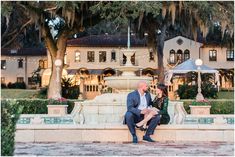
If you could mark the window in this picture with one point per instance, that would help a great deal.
(151, 56)
(113, 56)
(212, 55)
(90, 56)
(102, 56)
(2, 79)
(3, 64)
(133, 59)
(20, 63)
(20, 79)
(179, 56)
(65, 58)
(172, 56)
(87, 88)
(77, 56)
(186, 55)
(45, 64)
(41, 64)
(230, 55)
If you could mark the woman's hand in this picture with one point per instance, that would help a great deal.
(145, 111)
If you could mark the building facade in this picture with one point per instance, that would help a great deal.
(19, 65)
(89, 59)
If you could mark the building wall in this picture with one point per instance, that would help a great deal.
(12, 71)
(221, 62)
(191, 45)
(141, 57)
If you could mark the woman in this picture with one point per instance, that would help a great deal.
(160, 104)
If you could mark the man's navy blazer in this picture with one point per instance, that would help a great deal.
(133, 101)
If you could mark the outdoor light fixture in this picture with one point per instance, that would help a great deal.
(199, 96)
(58, 63)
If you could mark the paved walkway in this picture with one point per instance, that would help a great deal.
(124, 149)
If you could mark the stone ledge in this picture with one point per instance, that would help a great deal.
(121, 127)
(120, 133)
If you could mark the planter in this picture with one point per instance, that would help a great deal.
(200, 110)
(57, 109)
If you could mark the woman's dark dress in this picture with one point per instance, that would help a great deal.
(162, 104)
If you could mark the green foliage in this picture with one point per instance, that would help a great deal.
(6, 8)
(37, 106)
(217, 106)
(60, 101)
(19, 93)
(17, 85)
(119, 12)
(201, 103)
(42, 94)
(190, 91)
(9, 116)
(226, 95)
(3, 85)
(69, 90)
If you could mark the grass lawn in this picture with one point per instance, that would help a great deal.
(226, 95)
(18, 93)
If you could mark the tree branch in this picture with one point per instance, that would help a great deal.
(50, 43)
(14, 37)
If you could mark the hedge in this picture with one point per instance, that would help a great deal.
(38, 106)
(9, 117)
(219, 106)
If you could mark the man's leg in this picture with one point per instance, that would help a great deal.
(130, 121)
(152, 125)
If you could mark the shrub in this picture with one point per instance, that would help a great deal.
(11, 85)
(38, 106)
(217, 106)
(20, 85)
(10, 114)
(201, 103)
(17, 85)
(3, 85)
(190, 91)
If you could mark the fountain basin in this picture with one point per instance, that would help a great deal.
(125, 83)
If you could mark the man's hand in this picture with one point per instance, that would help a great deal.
(145, 111)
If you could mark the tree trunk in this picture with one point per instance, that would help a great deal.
(160, 47)
(57, 49)
(54, 90)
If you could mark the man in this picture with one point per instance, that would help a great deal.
(138, 104)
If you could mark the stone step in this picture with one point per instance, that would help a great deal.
(120, 133)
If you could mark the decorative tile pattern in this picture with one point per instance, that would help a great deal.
(206, 120)
(230, 120)
(58, 120)
(24, 120)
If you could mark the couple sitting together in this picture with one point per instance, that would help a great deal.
(145, 114)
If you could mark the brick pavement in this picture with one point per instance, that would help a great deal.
(126, 149)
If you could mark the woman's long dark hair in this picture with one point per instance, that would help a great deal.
(163, 88)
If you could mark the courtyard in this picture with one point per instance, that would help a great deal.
(73, 71)
(167, 148)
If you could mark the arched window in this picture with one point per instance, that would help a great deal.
(41, 64)
(45, 64)
(179, 56)
(186, 54)
(77, 56)
(172, 56)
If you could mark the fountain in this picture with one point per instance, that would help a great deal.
(111, 107)
(128, 80)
